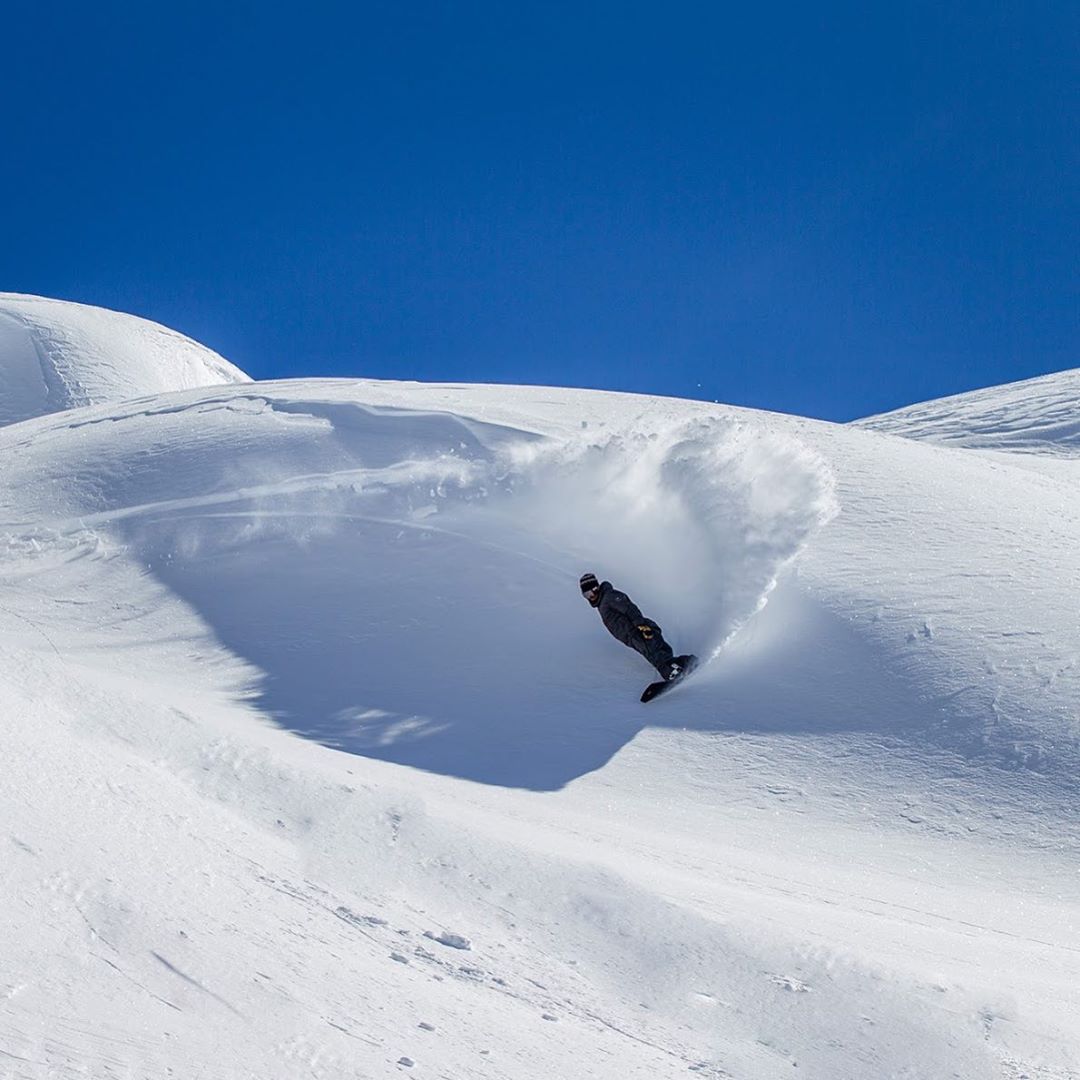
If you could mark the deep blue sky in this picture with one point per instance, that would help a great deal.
(826, 209)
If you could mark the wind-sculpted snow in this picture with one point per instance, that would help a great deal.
(338, 544)
(808, 857)
(56, 355)
(1035, 416)
(341, 549)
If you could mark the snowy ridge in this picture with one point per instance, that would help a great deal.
(361, 511)
(847, 846)
(56, 355)
(1036, 416)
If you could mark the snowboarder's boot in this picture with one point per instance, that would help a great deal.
(678, 669)
(679, 666)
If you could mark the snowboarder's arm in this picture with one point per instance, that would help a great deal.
(622, 616)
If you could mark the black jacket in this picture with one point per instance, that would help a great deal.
(621, 615)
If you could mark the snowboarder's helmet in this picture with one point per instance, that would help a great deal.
(588, 583)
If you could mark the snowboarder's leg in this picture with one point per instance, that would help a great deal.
(649, 641)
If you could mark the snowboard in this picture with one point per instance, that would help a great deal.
(664, 685)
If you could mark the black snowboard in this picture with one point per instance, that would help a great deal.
(664, 685)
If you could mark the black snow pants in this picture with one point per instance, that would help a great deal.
(649, 641)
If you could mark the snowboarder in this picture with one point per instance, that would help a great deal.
(624, 620)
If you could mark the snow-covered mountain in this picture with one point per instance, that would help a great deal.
(56, 355)
(1037, 415)
(318, 764)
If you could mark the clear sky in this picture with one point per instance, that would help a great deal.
(831, 209)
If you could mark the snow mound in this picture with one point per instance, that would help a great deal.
(1037, 416)
(340, 537)
(847, 846)
(314, 532)
(57, 355)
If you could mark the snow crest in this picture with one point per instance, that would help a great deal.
(56, 355)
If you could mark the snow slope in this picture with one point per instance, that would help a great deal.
(1037, 415)
(56, 355)
(318, 765)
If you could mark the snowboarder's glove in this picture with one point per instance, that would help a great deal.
(646, 631)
